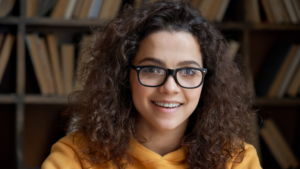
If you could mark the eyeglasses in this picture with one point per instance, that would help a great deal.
(153, 76)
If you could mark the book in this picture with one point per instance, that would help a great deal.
(67, 53)
(137, 3)
(295, 84)
(291, 12)
(253, 13)
(95, 8)
(54, 58)
(285, 13)
(267, 9)
(46, 52)
(205, 7)
(82, 58)
(5, 53)
(277, 145)
(277, 11)
(77, 9)
(6, 6)
(45, 63)
(2, 37)
(271, 67)
(296, 5)
(196, 3)
(59, 9)
(289, 74)
(221, 11)
(85, 9)
(70, 9)
(282, 71)
(233, 49)
(37, 64)
(44, 6)
(31, 8)
(110, 9)
(214, 10)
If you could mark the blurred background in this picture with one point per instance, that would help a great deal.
(39, 47)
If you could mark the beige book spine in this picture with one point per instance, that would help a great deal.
(54, 57)
(37, 63)
(67, 53)
(295, 84)
(276, 83)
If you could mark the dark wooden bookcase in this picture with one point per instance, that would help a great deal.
(31, 123)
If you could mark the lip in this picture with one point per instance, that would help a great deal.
(166, 101)
(164, 110)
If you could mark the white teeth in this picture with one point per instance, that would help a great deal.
(167, 104)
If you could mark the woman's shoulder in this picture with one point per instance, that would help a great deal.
(247, 159)
(64, 153)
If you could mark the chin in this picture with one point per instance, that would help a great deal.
(166, 126)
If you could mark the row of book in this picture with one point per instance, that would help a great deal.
(276, 11)
(74, 9)
(212, 10)
(54, 64)
(6, 46)
(280, 73)
(278, 146)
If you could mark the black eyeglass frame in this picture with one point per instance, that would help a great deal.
(168, 73)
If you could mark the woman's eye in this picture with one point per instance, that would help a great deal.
(189, 72)
(153, 70)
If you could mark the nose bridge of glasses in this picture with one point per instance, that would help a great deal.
(173, 73)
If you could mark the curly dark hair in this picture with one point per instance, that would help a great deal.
(217, 129)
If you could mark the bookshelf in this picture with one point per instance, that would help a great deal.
(31, 121)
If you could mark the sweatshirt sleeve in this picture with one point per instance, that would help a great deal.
(250, 160)
(62, 156)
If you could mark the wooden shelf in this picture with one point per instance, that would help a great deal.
(8, 99)
(51, 22)
(38, 99)
(262, 101)
(45, 21)
(231, 26)
(9, 21)
(64, 22)
(275, 27)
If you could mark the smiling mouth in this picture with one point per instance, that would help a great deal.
(166, 105)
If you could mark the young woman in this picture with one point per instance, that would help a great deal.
(159, 93)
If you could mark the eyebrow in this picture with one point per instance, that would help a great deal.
(160, 62)
(188, 62)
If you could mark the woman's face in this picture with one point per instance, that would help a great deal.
(170, 50)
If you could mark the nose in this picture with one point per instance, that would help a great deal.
(170, 86)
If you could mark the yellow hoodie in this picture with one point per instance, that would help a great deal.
(63, 156)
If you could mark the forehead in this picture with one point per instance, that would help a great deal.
(169, 47)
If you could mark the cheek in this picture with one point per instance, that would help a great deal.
(139, 92)
(193, 95)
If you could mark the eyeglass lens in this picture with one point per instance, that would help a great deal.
(188, 77)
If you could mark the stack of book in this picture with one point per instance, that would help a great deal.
(6, 45)
(74, 9)
(280, 74)
(276, 11)
(54, 70)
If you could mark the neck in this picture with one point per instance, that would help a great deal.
(161, 141)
